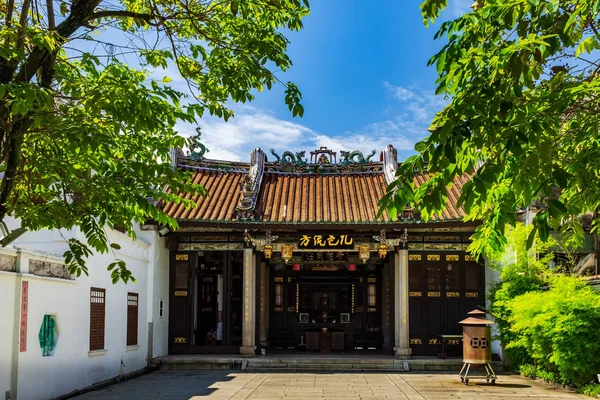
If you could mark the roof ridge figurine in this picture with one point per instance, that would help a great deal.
(197, 149)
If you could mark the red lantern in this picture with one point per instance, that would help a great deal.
(351, 267)
(296, 267)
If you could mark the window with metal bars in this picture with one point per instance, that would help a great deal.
(97, 318)
(132, 319)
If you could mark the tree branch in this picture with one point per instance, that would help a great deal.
(23, 23)
(121, 14)
(591, 24)
(9, 12)
(50, 11)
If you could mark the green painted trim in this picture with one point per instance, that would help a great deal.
(268, 222)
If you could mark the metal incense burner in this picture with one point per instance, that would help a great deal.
(477, 347)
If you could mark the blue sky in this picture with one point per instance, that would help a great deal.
(361, 66)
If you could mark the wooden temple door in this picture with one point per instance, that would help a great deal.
(207, 311)
(205, 307)
(443, 287)
(180, 303)
(234, 298)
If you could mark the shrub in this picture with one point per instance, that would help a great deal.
(558, 329)
(528, 370)
(548, 376)
(593, 389)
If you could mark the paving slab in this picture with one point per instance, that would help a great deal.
(235, 385)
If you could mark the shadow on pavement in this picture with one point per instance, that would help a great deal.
(165, 385)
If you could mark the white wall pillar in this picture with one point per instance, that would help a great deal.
(249, 305)
(402, 348)
(151, 266)
(22, 267)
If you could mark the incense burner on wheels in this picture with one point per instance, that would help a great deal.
(477, 347)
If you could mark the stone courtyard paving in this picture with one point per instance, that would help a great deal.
(192, 385)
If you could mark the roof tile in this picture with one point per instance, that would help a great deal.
(301, 198)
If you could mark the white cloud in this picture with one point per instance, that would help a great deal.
(399, 92)
(456, 8)
(250, 128)
(417, 109)
(374, 136)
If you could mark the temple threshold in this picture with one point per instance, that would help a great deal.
(303, 362)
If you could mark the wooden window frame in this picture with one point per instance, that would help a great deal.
(97, 318)
(279, 294)
(132, 318)
(371, 295)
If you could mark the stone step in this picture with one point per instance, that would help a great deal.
(361, 367)
(305, 364)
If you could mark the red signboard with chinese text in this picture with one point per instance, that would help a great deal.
(23, 326)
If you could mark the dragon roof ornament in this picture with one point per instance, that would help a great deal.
(323, 161)
(196, 148)
(356, 157)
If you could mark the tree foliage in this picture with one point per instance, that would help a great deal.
(547, 321)
(522, 79)
(85, 134)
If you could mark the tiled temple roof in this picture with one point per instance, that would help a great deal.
(223, 189)
(309, 193)
(342, 198)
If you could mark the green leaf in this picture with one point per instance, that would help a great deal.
(441, 63)
(557, 208)
(587, 45)
(531, 237)
(573, 17)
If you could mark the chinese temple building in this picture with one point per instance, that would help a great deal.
(288, 252)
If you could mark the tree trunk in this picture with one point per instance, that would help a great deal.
(80, 12)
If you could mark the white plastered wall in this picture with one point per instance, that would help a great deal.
(8, 298)
(158, 290)
(72, 366)
(491, 278)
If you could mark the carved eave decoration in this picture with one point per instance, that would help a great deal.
(250, 187)
(390, 243)
(389, 157)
